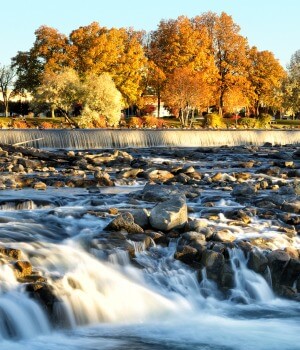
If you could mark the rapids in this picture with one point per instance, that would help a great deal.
(104, 301)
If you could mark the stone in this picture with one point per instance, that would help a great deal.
(168, 215)
(186, 254)
(257, 262)
(224, 235)
(22, 268)
(124, 221)
(141, 217)
(243, 190)
(40, 186)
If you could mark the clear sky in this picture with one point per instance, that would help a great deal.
(272, 25)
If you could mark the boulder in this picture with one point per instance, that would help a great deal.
(124, 221)
(243, 190)
(141, 217)
(186, 254)
(224, 235)
(168, 215)
(257, 262)
(214, 263)
(22, 268)
(277, 261)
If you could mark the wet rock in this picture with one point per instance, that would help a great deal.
(257, 262)
(103, 178)
(131, 173)
(227, 277)
(158, 193)
(168, 215)
(292, 207)
(224, 235)
(194, 239)
(40, 186)
(124, 221)
(214, 264)
(22, 268)
(291, 273)
(159, 175)
(141, 217)
(11, 252)
(243, 190)
(277, 261)
(187, 254)
(43, 293)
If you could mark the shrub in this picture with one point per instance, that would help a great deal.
(135, 122)
(264, 120)
(20, 124)
(248, 123)
(150, 121)
(91, 119)
(46, 125)
(214, 120)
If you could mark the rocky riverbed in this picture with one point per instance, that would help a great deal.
(210, 201)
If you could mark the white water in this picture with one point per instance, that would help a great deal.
(105, 138)
(160, 307)
(110, 304)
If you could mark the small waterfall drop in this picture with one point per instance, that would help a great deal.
(249, 285)
(123, 138)
(20, 316)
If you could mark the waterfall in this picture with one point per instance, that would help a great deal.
(20, 316)
(249, 285)
(122, 138)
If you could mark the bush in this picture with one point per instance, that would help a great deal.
(135, 122)
(91, 119)
(214, 120)
(264, 120)
(20, 124)
(249, 123)
(150, 121)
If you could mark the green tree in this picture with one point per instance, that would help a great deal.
(60, 90)
(99, 94)
(7, 77)
(291, 86)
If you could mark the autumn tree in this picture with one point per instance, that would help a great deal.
(7, 76)
(266, 76)
(187, 90)
(50, 52)
(119, 52)
(229, 50)
(178, 44)
(291, 86)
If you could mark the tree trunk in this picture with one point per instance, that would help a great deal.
(158, 104)
(52, 111)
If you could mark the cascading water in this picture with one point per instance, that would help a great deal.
(103, 300)
(20, 316)
(249, 286)
(120, 138)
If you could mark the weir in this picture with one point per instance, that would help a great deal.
(124, 138)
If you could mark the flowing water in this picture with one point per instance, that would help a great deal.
(106, 138)
(107, 302)
(110, 304)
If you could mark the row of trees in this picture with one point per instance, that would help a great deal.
(189, 63)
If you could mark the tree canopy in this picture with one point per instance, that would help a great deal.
(207, 53)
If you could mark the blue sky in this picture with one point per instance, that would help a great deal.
(268, 24)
